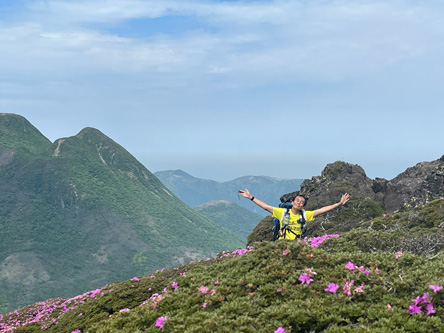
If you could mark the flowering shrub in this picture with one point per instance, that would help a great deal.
(311, 288)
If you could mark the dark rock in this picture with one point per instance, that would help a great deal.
(368, 198)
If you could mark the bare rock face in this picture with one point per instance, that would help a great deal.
(416, 185)
(336, 179)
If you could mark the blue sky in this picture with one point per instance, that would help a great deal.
(223, 89)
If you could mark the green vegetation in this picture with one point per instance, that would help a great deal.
(83, 212)
(332, 288)
(230, 215)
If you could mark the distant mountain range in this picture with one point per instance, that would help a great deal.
(82, 212)
(230, 215)
(196, 191)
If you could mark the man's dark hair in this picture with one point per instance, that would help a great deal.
(303, 196)
(289, 197)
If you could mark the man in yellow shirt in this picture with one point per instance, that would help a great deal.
(291, 226)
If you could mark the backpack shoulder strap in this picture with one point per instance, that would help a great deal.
(303, 215)
(285, 213)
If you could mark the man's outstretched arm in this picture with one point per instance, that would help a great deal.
(246, 194)
(326, 209)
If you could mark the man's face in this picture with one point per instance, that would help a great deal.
(298, 202)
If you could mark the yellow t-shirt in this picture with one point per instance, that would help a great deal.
(293, 224)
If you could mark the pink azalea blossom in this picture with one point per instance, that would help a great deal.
(280, 330)
(135, 279)
(332, 287)
(349, 265)
(285, 252)
(413, 309)
(124, 310)
(203, 289)
(161, 321)
(430, 309)
(389, 307)
(216, 282)
(367, 272)
(175, 285)
(435, 287)
(305, 278)
(204, 305)
(359, 289)
(347, 287)
(398, 254)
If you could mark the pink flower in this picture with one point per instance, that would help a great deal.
(332, 287)
(349, 265)
(367, 272)
(310, 271)
(135, 279)
(213, 292)
(435, 287)
(430, 309)
(359, 289)
(175, 285)
(216, 282)
(278, 290)
(280, 330)
(398, 254)
(204, 305)
(285, 252)
(124, 310)
(161, 321)
(347, 287)
(413, 309)
(389, 307)
(203, 289)
(305, 278)
(77, 331)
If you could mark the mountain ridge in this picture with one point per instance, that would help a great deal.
(195, 191)
(84, 212)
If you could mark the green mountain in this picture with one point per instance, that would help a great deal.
(82, 212)
(230, 215)
(196, 191)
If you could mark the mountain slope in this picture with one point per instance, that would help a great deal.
(83, 212)
(195, 191)
(230, 215)
(328, 284)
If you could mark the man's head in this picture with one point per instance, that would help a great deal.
(300, 201)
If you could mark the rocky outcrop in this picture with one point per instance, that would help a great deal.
(416, 185)
(369, 198)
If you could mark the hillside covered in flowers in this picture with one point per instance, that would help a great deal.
(325, 283)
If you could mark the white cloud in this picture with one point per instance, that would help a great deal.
(248, 42)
